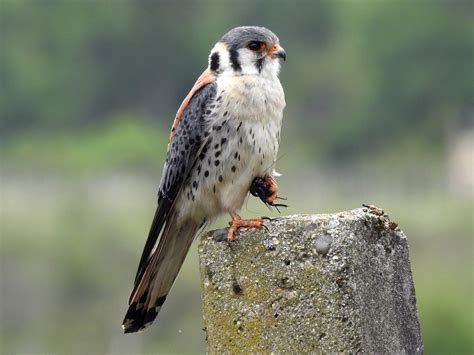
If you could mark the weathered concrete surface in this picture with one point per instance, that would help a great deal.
(324, 283)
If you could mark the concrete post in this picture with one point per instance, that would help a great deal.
(312, 283)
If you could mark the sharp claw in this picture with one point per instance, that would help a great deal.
(229, 240)
(266, 228)
(282, 198)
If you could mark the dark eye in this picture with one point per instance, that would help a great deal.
(255, 45)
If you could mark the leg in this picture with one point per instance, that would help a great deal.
(236, 223)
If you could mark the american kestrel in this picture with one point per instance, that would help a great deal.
(223, 143)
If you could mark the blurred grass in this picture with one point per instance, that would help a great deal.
(444, 299)
(122, 141)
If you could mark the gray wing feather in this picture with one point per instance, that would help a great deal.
(187, 141)
(182, 154)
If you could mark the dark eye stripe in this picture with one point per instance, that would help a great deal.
(234, 60)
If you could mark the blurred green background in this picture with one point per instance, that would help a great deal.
(379, 111)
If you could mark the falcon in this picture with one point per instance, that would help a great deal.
(223, 144)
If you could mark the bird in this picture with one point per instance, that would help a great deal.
(226, 134)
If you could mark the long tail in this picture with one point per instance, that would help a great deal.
(161, 270)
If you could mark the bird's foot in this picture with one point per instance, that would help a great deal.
(236, 223)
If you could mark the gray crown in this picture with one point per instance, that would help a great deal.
(240, 37)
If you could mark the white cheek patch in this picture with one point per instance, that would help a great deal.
(248, 61)
(224, 61)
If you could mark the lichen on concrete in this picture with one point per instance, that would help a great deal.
(326, 283)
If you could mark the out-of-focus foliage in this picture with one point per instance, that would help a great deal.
(103, 147)
(358, 73)
(378, 94)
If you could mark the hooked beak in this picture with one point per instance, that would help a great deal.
(277, 52)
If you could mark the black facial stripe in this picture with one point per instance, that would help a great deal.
(259, 64)
(215, 61)
(234, 60)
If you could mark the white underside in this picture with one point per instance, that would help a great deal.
(257, 101)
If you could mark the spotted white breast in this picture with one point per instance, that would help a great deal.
(243, 144)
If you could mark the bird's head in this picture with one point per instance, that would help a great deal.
(247, 50)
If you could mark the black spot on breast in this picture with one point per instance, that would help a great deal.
(206, 173)
(234, 60)
(233, 168)
(238, 127)
(220, 178)
(216, 145)
(217, 162)
(214, 66)
(223, 140)
(216, 154)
